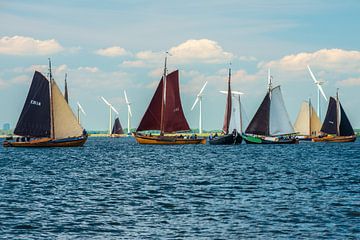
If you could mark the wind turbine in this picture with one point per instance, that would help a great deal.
(236, 95)
(129, 113)
(320, 90)
(78, 111)
(199, 99)
(111, 108)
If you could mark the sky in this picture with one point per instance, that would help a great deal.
(109, 46)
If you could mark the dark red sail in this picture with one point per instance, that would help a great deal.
(227, 116)
(35, 118)
(174, 118)
(117, 128)
(330, 123)
(260, 123)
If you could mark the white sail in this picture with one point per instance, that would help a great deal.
(279, 118)
(315, 122)
(64, 120)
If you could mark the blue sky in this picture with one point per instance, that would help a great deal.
(110, 46)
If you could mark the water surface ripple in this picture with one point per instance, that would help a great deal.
(115, 188)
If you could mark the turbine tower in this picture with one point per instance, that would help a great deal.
(78, 111)
(320, 90)
(236, 95)
(129, 113)
(199, 99)
(111, 108)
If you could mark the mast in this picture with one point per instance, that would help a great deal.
(163, 104)
(51, 102)
(240, 114)
(310, 113)
(78, 114)
(338, 114)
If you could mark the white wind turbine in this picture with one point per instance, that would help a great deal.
(236, 95)
(199, 99)
(320, 90)
(111, 108)
(80, 108)
(129, 113)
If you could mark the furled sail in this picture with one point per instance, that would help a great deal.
(279, 119)
(174, 118)
(66, 95)
(117, 128)
(260, 122)
(307, 121)
(228, 108)
(35, 118)
(64, 120)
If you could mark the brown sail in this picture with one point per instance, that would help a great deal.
(173, 119)
(228, 108)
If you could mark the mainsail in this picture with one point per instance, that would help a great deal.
(34, 120)
(64, 121)
(117, 129)
(228, 108)
(334, 114)
(173, 115)
(307, 121)
(271, 117)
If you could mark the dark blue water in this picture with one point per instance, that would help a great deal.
(115, 188)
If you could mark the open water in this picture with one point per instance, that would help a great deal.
(115, 188)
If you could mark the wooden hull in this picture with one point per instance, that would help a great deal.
(304, 138)
(48, 142)
(228, 139)
(167, 140)
(338, 139)
(251, 139)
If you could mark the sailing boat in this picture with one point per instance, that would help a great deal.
(46, 119)
(117, 129)
(271, 123)
(165, 113)
(227, 138)
(307, 124)
(336, 126)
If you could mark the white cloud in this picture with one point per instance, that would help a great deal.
(19, 45)
(350, 82)
(88, 69)
(114, 51)
(136, 63)
(203, 50)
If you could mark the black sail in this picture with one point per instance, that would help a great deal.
(117, 129)
(330, 123)
(35, 118)
(260, 123)
(345, 125)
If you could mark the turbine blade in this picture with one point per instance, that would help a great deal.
(202, 89)
(105, 101)
(269, 76)
(197, 99)
(311, 74)
(114, 110)
(129, 109)
(126, 99)
(81, 109)
(322, 91)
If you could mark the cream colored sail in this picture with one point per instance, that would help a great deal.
(307, 122)
(65, 123)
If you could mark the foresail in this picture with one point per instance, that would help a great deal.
(174, 118)
(279, 119)
(34, 119)
(315, 122)
(117, 128)
(345, 126)
(65, 122)
(330, 122)
(260, 122)
(302, 123)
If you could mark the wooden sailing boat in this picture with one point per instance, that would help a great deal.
(227, 138)
(46, 119)
(165, 113)
(271, 123)
(307, 124)
(117, 129)
(336, 126)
